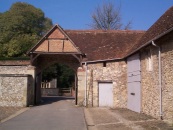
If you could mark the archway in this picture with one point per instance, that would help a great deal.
(58, 80)
(54, 47)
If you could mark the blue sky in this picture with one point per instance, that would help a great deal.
(76, 14)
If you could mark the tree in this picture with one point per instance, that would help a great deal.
(107, 17)
(63, 74)
(20, 28)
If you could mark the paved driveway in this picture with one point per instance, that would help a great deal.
(56, 113)
(121, 119)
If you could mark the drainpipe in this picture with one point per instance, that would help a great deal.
(160, 79)
(86, 68)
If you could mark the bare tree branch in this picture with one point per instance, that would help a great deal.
(128, 25)
(108, 17)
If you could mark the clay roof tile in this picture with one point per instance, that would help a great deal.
(104, 45)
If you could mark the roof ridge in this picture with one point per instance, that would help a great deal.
(105, 31)
(159, 28)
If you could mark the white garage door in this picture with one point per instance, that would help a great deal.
(105, 95)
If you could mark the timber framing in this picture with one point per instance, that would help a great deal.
(59, 45)
(64, 41)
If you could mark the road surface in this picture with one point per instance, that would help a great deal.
(55, 113)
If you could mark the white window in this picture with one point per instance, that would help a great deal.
(149, 61)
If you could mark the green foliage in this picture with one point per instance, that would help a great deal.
(63, 74)
(20, 28)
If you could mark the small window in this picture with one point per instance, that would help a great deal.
(104, 64)
(149, 61)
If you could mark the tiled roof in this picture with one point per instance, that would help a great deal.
(15, 62)
(161, 26)
(116, 44)
(104, 45)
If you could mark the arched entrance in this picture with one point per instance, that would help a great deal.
(58, 80)
(54, 47)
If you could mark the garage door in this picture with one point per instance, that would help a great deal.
(134, 84)
(105, 95)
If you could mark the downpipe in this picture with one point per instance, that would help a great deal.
(86, 69)
(160, 79)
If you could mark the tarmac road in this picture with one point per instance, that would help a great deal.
(55, 113)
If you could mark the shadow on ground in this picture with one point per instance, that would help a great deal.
(51, 99)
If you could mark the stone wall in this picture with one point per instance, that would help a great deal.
(14, 90)
(150, 80)
(167, 76)
(16, 85)
(114, 72)
(150, 83)
(49, 91)
(81, 86)
(13, 69)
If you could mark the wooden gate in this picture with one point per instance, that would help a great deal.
(105, 95)
(134, 83)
